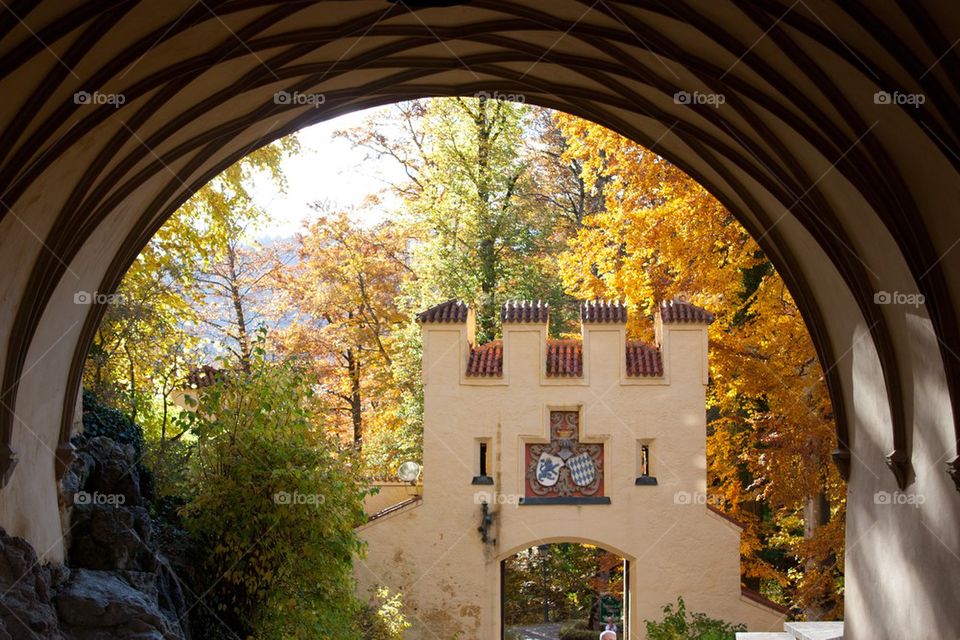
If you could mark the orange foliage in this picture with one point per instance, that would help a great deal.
(660, 236)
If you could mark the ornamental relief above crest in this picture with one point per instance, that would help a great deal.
(564, 467)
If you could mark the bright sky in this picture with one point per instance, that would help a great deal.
(327, 168)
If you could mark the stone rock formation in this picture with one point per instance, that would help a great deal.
(117, 584)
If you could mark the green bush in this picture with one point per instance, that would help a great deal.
(678, 625)
(273, 506)
(101, 420)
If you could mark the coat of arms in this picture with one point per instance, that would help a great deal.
(565, 466)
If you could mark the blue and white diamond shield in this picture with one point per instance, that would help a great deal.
(583, 471)
(548, 469)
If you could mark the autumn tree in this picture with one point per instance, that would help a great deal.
(477, 234)
(661, 236)
(342, 293)
(234, 275)
(152, 333)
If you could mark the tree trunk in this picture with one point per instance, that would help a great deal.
(237, 298)
(133, 383)
(487, 318)
(356, 406)
(816, 513)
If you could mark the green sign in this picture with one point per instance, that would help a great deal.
(610, 608)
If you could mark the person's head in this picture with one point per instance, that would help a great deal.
(608, 634)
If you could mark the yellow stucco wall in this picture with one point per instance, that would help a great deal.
(432, 551)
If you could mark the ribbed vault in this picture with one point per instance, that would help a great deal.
(848, 197)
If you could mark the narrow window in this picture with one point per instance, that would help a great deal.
(481, 461)
(644, 472)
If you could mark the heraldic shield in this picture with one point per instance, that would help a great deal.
(548, 469)
(582, 469)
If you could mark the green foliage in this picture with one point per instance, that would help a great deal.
(151, 333)
(569, 575)
(677, 624)
(272, 506)
(101, 420)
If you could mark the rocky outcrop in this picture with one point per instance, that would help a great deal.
(99, 605)
(120, 585)
(26, 587)
(116, 585)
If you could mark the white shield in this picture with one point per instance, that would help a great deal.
(548, 469)
(582, 469)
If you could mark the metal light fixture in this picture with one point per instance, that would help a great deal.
(409, 471)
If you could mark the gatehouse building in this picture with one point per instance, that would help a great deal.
(530, 440)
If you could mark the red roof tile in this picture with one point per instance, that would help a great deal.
(564, 358)
(449, 311)
(603, 311)
(205, 376)
(486, 360)
(525, 311)
(643, 359)
(680, 311)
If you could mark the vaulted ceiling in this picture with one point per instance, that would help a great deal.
(115, 112)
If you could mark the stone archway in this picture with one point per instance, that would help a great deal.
(627, 562)
(116, 113)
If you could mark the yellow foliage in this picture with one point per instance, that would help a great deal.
(662, 236)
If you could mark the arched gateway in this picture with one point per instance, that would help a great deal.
(529, 440)
(836, 143)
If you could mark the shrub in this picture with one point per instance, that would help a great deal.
(273, 507)
(101, 420)
(677, 625)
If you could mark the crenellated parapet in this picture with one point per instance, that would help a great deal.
(602, 345)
